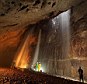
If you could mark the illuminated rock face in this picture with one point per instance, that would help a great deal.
(9, 41)
(79, 44)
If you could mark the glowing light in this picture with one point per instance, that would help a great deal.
(42, 69)
(23, 54)
(53, 21)
(23, 66)
(79, 58)
(36, 54)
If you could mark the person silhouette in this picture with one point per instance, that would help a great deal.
(80, 71)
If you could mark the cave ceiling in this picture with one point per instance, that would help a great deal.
(25, 12)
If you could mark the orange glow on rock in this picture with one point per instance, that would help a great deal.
(24, 53)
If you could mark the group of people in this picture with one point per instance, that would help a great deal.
(37, 66)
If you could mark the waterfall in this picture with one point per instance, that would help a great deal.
(62, 22)
(64, 19)
(21, 59)
(55, 54)
(36, 54)
(65, 29)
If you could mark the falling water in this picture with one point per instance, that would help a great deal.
(37, 49)
(55, 53)
(22, 56)
(64, 26)
(64, 19)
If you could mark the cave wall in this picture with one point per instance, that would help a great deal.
(9, 41)
(79, 39)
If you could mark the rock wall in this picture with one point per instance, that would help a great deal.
(9, 41)
(79, 39)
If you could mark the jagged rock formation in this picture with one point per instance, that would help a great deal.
(19, 12)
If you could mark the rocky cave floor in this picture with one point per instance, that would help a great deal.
(15, 76)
